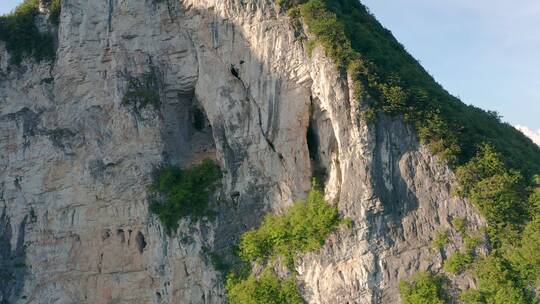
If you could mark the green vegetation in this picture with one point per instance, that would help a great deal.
(423, 288)
(508, 202)
(500, 194)
(264, 289)
(506, 275)
(460, 224)
(54, 7)
(469, 241)
(218, 262)
(462, 260)
(498, 283)
(303, 227)
(534, 198)
(440, 240)
(458, 262)
(184, 193)
(142, 91)
(526, 257)
(21, 35)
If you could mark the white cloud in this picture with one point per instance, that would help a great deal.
(532, 134)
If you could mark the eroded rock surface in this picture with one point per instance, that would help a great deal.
(236, 85)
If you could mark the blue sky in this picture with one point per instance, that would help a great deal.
(7, 5)
(485, 51)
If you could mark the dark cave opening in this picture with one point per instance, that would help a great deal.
(198, 119)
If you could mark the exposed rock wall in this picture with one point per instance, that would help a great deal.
(236, 85)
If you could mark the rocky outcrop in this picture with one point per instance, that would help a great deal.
(235, 84)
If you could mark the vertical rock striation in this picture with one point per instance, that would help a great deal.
(235, 84)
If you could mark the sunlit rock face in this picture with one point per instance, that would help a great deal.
(236, 85)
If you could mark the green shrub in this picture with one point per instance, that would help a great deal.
(460, 224)
(22, 37)
(329, 31)
(218, 261)
(507, 275)
(303, 227)
(499, 194)
(499, 283)
(471, 296)
(526, 258)
(458, 262)
(534, 198)
(265, 289)
(184, 193)
(471, 242)
(423, 288)
(500, 198)
(440, 240)
(433, 131)
(142, 91)
(484, 164)
(54, 7)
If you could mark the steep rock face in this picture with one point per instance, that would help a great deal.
(236, 85)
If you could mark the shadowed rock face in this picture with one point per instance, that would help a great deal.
(12, 267)
(236, 85)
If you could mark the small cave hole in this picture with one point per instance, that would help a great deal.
(105, 234)
(120, 233)
(312, 142)
(198, 119)
(141, 242)
(235, 72)
(319, 172)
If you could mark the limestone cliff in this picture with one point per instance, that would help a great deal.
(236, 84)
